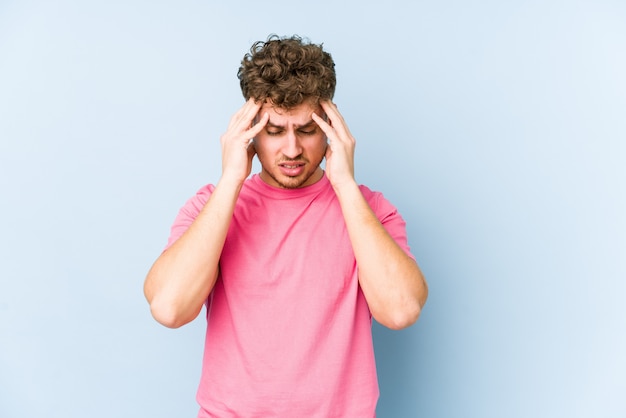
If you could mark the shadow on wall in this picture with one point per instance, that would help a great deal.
(397, 360)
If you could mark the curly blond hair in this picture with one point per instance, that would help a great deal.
(287, 72)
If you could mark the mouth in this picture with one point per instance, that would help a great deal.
(291, 168)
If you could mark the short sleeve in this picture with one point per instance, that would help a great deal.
(389, 217)
(188, 213)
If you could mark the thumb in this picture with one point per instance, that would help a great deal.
(251, 150)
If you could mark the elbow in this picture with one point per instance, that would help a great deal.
(405, 311)
(165, 309)
(168, 315)
(397, 315)
(400, 318)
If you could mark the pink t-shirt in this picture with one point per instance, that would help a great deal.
(288, 328)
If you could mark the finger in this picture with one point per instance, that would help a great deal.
(324, 126)
(336, 119)
(258, 126)
(252, 107)
(251, 150)
(331, 110)
(243, 117)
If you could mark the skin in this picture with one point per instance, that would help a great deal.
(290, 146)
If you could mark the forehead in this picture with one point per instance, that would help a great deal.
(299, 115)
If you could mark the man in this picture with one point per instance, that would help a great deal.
(292, 263)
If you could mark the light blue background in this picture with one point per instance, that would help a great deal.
(498, 128)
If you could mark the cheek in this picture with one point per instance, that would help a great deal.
(266, 150)
(260, 145)
(323, 144)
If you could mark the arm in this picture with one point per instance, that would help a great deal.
(182, 278)
(391, 281)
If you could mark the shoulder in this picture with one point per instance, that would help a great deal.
(188, 213)
(367, 192)
(372, 197)
(382, 207)
(197, 202)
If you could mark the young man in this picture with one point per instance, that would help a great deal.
(292, 263)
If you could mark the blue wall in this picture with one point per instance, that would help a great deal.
(497, 128)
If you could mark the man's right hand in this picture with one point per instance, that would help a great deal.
(182, 278)
(237, 148)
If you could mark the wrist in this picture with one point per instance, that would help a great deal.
(346, 188)
(230, 182)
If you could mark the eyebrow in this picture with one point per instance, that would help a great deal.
(306, 125)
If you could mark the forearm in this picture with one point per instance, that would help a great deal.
(183, 276)
(391, 281)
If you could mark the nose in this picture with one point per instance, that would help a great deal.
(291, 147)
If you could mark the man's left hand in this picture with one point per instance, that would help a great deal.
(341, 144)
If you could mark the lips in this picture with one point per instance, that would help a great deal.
(291, 168)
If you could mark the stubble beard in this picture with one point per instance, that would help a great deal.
(286, 182)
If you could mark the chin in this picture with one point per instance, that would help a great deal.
(286, 182)
(291, 182)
